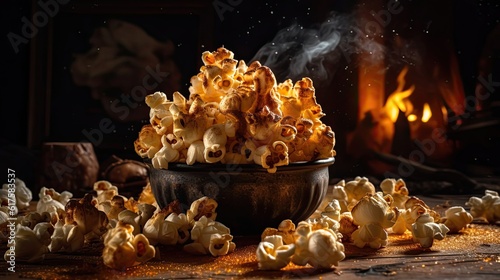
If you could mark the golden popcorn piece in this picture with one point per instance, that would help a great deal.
(397, 189)
(425, 230)
(182, 224)
(122, 249)
(457, 218)
(31, 244)
(373, 214)
(66, 237)
(486, 207)
(203, 206)
(221, 244)
(202, 232)
(160, 231)
(214, 141)
(88, 218)
(273, 254)
(356, 189)
(319, 248)
(148, 143)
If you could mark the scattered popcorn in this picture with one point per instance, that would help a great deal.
(272, 254)
(105, 191)
(203, 206)
(202, 234)
(160, 231)
(86, 216)
(63, 197)
(47, 204)
(66, 237)
(221, 245)
(338, 193)
(347, 226)
(230, 101)
(113, 207)
(182, 225)
(33, 218)
(486, 208)
(397, 189)
(332, 210)
(457, 219)
(425, 230)
(357, 189)
(319, 248)
(286, 229)
(122, 249)
(31, 245)
(22, 195)
(373, 215)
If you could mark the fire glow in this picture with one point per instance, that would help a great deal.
(399, 101)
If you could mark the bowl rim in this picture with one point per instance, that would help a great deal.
(251, 167)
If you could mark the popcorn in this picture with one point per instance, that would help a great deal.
(357, 189)
(319, 248)
(63, 197)
(105, 191)
(206, 234)
(272, 254)
(31, 244)
(486, 208)
(22, 195)
(252, 108)
(457, 218)
(203, 206)
(122, 249)
(397, 189)
(47, 204)
(286, 229)
(86, 216)
(148, 142)
(66, 237)
(160, 231)
(373, 215)
(425, 230)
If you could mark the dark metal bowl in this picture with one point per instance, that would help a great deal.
(249, 198)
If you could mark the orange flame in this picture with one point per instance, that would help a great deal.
(399, 101)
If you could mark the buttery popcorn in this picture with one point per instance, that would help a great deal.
(273, 254)
(457, 218)
(22, 194)
(425, 230)
(31, 244)
(122, 249)
(373, 214)
(486, 207)
(230, 101)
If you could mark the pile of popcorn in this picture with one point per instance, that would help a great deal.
(129, 229)
(236, 114)
(360, 215)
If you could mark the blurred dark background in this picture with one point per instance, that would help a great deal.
(40, 101)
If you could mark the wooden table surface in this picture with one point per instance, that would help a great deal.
(471, 254)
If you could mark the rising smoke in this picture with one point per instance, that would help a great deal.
(317, 52)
